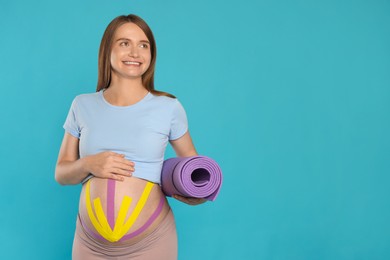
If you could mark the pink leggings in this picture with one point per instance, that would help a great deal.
(159, 244)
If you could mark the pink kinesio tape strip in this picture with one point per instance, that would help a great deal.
(111, 202)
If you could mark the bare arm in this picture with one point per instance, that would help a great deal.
(184, 147)
(71, 169)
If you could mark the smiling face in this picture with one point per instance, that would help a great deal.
(130, 53)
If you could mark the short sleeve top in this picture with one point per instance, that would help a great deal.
(140, 131)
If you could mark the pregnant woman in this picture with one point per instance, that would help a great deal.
(114, 144)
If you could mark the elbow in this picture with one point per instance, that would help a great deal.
(58, 177)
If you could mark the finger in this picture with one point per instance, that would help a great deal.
(124, 161)
(128, 162)
(124, 166)
(112, 153)
(183, 199)
(115, 177)
(122, 172)
(117, 154)
(189, 200)
(200, 201)
(178, 197)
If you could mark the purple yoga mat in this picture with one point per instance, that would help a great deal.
(195, 176)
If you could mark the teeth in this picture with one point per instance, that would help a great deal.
(132, 62)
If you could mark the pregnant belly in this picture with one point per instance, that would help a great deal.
(121, 212)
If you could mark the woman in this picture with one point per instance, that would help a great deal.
(114, 144)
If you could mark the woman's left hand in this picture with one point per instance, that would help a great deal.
(189, 201)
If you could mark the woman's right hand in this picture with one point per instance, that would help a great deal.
(109, 165)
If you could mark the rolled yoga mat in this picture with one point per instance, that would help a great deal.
(195, 176)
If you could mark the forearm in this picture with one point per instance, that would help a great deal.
(71, 172)
(187, 153)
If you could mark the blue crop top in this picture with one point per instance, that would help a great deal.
(140, 131)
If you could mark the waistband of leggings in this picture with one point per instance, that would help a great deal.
(90, 176)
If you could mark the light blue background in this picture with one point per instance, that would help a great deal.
(292, 98)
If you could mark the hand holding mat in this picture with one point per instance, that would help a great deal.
(195, 176)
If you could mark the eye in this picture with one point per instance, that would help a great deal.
(124, 44)
(144, 45)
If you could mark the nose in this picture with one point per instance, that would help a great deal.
(133, 51)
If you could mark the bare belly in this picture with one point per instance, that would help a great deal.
(121, 213)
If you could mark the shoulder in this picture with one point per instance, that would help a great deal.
(86, 97)
(165, 101)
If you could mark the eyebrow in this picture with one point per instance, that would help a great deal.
(131, 40)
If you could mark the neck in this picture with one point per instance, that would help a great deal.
(124, 91)
(126, 85)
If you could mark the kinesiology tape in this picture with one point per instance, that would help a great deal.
(115, 230)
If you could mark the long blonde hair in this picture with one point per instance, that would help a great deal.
(104, 64)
